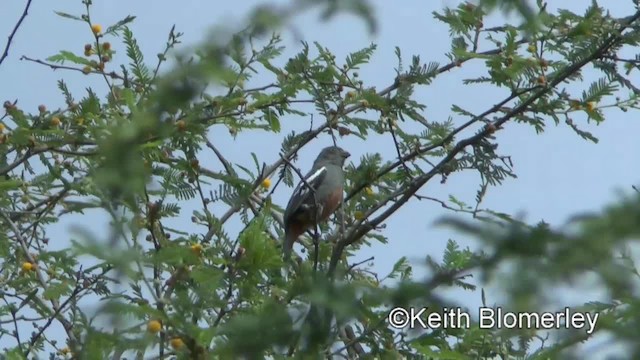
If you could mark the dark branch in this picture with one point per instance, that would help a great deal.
(5, 53)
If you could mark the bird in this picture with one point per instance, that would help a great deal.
(308, 207)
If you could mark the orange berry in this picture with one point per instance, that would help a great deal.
(55, 121)
(544, 63)
(177, 343)
(181, 125)
(591, 105)
(491, 128)
(2, 128)
(541, 80)
(575, 105)
(343, 131)
(96, 29)
(154, 326)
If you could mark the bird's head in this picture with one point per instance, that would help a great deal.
(333, 155)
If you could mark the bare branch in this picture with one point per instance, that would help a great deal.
(5, 53)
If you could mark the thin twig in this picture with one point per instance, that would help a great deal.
(354, 265)
(5, 53)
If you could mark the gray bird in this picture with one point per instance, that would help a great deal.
(307, 206)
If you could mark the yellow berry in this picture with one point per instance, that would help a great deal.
(27, 266)
(65, 350)
(266, 183)
(591, 105)
(177, 343)
(196, 248)
(86, 70)
(106, 46)
(368, 190)
(351, 94)
(154, 326)
(80, 121)
(532, 48)
(2, 127)
(96, 29)
(181, 125)
(55, 121)
(359, 215)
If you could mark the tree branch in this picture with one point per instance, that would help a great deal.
(360, 228)
(5, 53)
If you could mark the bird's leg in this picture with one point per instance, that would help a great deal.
(316, 234)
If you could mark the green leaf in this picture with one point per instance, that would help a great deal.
(56, 289)
(69, 16)
(119, 25)
(68, 56)
(9, 184)
(272, 118)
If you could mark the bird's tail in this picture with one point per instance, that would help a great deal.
(292, 233)
(287, 246)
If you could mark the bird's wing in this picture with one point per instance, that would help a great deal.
(302, 195)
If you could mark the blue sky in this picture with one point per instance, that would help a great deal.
(559, 174)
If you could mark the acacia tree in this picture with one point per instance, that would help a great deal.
(205, 290)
